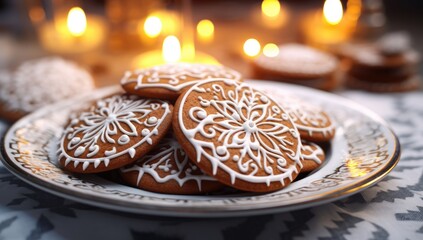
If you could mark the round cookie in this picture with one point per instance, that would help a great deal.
(113, 132)
(312, 122)
(312, 156)
(170, 80)
(296, 61)
(238, 135)
(410, 84)
(372, 57)
(167, 169)
(5, 111)
(384, 75)
(40, 82)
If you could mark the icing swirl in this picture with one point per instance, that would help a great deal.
(110, 129)
(241, 131)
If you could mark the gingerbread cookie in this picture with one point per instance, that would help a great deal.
(40, 82)
(299, 64)
(312, 156)
(371, 56)
(113, 132)
(388, 65)
(170, 80)
(238, 135)
(312, 121)
(384, 75)
(167, 169)
(410, 84)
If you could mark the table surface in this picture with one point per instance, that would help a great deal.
(392, 209)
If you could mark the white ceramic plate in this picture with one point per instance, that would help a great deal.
(363, 151)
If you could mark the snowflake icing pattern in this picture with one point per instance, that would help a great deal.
(117, 115)
(171, 159)
(247, 122)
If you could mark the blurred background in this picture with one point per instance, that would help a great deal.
(110, 36)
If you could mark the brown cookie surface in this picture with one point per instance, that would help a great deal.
(167, 169)
(312, 155)
(410, 84)
(312, 122)
(170, 80)
(37, 83)
(113, 132)
(396, 74)
(238, 135)
(371, 56)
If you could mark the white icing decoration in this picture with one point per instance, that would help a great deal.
(116, 115)
(152, 120)
(257, 133)
(145, 132)
(171, 158)
(40, 82)
(307, 117)
(132, 152)
(314, 152)
(176, 75)
(124, 139)
(96, 163)
(110, 152)
(79, 151)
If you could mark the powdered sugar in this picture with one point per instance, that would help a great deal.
(37, 83)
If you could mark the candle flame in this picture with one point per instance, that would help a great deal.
(77, 21)
(332, 11)
(271, 50)
(270, 8)
(171, 51)
(252, 47)
(153, 26)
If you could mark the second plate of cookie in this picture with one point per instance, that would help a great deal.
(362, 151)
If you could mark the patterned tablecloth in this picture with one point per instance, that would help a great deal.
(392, 209)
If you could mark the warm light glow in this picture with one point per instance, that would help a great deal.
(205, 29)
(332, 11)
(152, 26)
(154, 58)
(270, 8)
(271, 50)
(77, 21)
(355, 169)
(188, 52)
(171, 51)
(252, 47)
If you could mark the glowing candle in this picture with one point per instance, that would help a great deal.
(171, 52)
(76, 22)
(73, 33)
(252, 47)
(171, 49)
(272, 14)
(152, 26)
(326, 29)
(333, 12)
(271, 50)
(270, 8)
(205, 30)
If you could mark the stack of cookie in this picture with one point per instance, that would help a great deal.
(389, 65)
(299, 64)
(192, 128)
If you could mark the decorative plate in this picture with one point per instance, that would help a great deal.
(363, 151)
